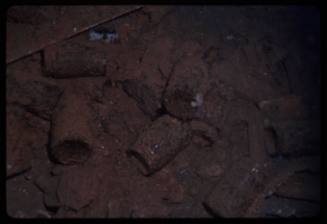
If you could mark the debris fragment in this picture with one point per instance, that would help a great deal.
(112, 37)
(198, 100)
(103, 34)
(93, 35)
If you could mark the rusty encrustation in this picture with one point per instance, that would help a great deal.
(71, 131)
(159, 144)
(234, 194)
(73, 61)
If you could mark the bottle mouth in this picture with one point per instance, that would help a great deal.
(71, 151)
